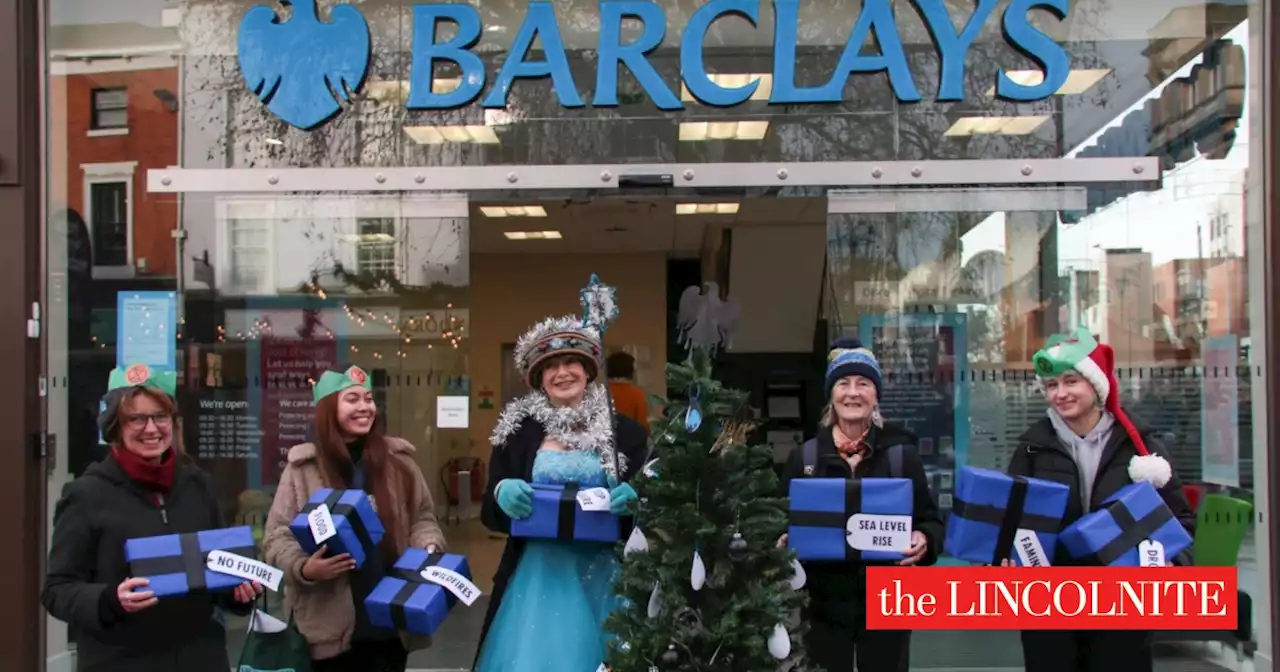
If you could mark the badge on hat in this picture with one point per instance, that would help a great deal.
(137, 374)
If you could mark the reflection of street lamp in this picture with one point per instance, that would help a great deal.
(167, 99)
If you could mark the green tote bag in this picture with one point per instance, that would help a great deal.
(274, 646)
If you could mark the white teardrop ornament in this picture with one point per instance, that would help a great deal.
(698, 575)
(655, 601)
(797, 581)
(648, 468)
(779, 643)
(636, 543)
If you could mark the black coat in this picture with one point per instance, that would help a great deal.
(837, 590)
(1040, 454)
(514, 459)
(98, 512)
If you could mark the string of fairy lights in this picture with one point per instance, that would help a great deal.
(449, 327)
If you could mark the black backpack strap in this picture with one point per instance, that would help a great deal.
(810, 454)
(895, 460)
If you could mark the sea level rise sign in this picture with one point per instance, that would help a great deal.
(304, 68)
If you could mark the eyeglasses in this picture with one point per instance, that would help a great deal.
(139, 420)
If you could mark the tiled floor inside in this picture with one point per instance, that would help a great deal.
(455, 645)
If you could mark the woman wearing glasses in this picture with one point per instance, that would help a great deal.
(145, 487)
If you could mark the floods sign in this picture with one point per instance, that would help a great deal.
(303, 68)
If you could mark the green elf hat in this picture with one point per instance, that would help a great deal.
(1080, 353)
(333, 382)
(141, 375)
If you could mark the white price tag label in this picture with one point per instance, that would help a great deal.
(321, 522)
(1151, 554)
(593, 499)
(248, 569)
(466, 592)
(877, 532)
(1029, 549)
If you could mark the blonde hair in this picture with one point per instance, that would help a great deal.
(828, 416)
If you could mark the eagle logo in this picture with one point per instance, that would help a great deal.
(303, 69)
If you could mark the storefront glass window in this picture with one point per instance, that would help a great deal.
(179, 229)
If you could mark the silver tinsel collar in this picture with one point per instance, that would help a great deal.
(587, 426)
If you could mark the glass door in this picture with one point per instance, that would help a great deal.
(956, 288)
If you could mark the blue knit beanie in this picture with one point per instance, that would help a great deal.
(848, 357)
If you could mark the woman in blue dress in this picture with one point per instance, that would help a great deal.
(551, 596)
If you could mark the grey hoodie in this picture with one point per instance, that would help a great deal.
(1085, 450)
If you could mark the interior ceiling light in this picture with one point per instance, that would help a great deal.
(707, 208)
(532, 235)
(996, 125)
(439, 135)
(736, 81)
(513, 211)
(1078, 81)
(698, 131)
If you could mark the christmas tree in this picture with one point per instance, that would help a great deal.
(704, 583)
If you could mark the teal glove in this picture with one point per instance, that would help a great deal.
(620, 496)
(515, 498)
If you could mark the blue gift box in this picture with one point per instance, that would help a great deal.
(1111, 535)
(357, 525)
(822, 510)
(991, 512)
(176, 564)
(557, 515)
(403, 600)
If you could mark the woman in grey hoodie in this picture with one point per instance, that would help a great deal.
(1088, 443)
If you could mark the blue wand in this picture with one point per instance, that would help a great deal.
(599, 309)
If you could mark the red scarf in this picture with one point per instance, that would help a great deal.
(157, 478)
(849, 447)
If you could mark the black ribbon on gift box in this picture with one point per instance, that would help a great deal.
(413, 580)
(190, 561)
(346, 511)
(567, 511)
(1010, 519)
(1133, 531)
(852, 506)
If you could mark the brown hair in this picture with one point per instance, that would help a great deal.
(112, 431)
(391, 482)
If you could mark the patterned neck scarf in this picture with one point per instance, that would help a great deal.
(849, 447)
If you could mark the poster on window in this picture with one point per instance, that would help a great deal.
(290, 343)
(924, 362)
(147, 329)
(1219, 412)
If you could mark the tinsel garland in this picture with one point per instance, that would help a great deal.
(587, 426)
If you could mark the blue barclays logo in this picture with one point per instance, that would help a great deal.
(292, 67)
(303, 69)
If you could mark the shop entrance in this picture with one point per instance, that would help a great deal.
(954, 272)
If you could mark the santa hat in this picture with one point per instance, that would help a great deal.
(1096, 362)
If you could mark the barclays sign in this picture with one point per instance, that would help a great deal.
(303, 68)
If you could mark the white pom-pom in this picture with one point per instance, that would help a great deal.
(1150, 468)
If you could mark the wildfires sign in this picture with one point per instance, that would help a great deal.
(1051, 598)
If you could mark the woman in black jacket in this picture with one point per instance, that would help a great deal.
(551, 596)
(1087, 442)
(855, 442)
(145, 487)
